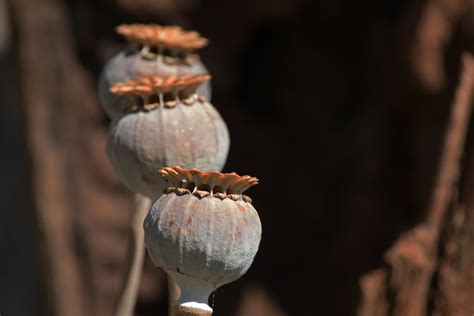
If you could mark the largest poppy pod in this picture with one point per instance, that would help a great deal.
(167, 123)
(203, 232)
(152, 50)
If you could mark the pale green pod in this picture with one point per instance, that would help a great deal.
(203, 231)
(168, 132)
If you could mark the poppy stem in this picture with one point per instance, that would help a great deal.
(135, 256)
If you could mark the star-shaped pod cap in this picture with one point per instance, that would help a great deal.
(147, 89)
(148, 85)
(203, 184)
(173, 37)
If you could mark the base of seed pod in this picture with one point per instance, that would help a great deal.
(191, 309)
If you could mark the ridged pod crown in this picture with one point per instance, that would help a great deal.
(149, 92)
(173, 37)
(211, 183)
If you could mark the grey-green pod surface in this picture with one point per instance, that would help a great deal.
(167, 124)
(152, 50)
(203, 231)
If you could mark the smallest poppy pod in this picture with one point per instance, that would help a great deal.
(153, 50)
(203, 232)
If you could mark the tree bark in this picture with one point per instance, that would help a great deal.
(405, 284)
(44, 56)
(455, 279)
(74, 191)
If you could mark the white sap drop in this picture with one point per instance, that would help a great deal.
(199, 306)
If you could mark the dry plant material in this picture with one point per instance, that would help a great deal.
(373, 300)
(203, 232)
(455, 287)
(413, 258)
(165, 36)
(149, 92)
(151, 84)
(212, 183)
(455, 292)
(161, 128)
(153, 50)
(436, 27)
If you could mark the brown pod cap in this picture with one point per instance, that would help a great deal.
(213, 182)
(166, 36)
(148, 85)
(145, 87)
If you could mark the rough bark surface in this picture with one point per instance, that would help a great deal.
(455, 279)
(79, 205)
(413, 260)
(53, 175)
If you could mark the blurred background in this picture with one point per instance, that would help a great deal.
(339, 107)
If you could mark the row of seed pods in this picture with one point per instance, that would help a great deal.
(168, 144)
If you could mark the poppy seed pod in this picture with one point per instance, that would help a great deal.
(153, 50)
(203, 231)
(167, 123)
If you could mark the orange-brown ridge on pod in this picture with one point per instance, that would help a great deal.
(148, 85)
(157, 35)
(212, 181)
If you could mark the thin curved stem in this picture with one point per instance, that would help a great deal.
(173, 293)
(135, 256)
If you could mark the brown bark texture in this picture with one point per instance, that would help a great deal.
(368, 102)
(405, 285)
(77, 200)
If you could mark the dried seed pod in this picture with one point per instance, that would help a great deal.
(202, 241)
(153, 50)
(160, 130)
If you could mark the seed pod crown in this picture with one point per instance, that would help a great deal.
(153, 91)
(212, 183)
(166, 36)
